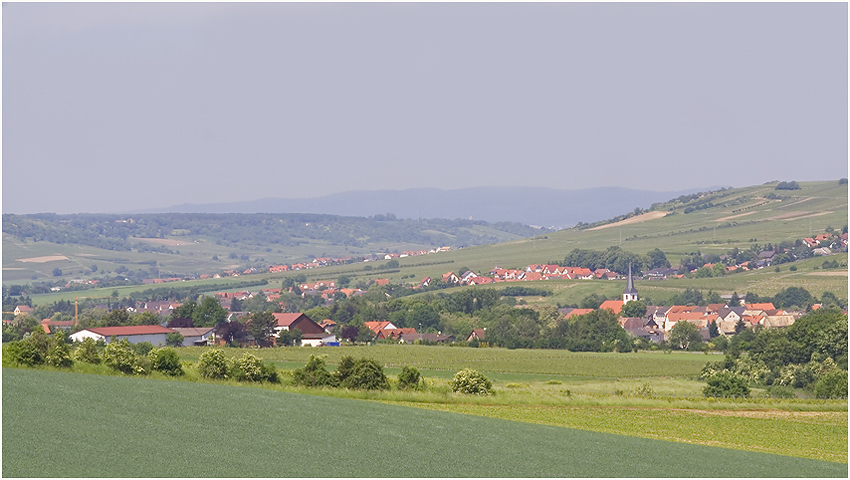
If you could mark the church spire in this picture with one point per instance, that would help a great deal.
(630, 293)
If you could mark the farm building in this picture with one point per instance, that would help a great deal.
(154, 334)
(194, 336)
(317, 339)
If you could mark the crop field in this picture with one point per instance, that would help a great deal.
(498, 360)
(58, 424)
(816, 435)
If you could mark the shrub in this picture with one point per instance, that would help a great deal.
(29, 351)
(314, 374)
(367, 374)
(644, 390)
(778, 391)
(345, 367)
(832, 384)
(142, 348)
(251, 368)
(409, 378)
(166, 360)
(87, 351)
(726, 384)
(119, 355)
(471, 382)
(213, 364)
(58, 351)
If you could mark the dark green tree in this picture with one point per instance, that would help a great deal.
(209, 313)
(261, 326)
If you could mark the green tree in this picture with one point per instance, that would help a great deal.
(684, 334)
(365, 374)
(657, 259)
(409, 378)
(87, 351)
(209, 313)
(635, 308)
(116, 318)
(343, 281)
(261, 326)
(174, 339)
(314, 374)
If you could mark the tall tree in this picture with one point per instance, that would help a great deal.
(209, 313)
(261, 326)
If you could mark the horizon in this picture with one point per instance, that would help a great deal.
(135, 106)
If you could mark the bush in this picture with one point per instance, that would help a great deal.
(367, 374)
(409, 378)
(471, 382)
(166, 360)
(29, 351)
(58, 351)
(832, 384)
(142, 348)
(119, 355)
(778, 391)
(213, 364)
(314, 374)
(87, 351)
(251, 368)
(726, 384)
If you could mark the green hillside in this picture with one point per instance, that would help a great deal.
(716, 222)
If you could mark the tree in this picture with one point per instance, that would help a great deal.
(409, 378)
(213, 364)
(261, 326)
(174, 339)
(116, 318)
(364, 374)
(343, 281)
(232, 332)
(684, 334)
(286, 338)
(57, 272)
(314, 374)
(657, 259)
(635, 308)
(209, 313)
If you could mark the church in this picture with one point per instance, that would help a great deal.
(629, 294)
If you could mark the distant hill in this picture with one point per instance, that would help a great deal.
(545, 207)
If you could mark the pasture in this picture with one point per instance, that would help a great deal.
(109, 426)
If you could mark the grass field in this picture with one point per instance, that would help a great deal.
(58, 424)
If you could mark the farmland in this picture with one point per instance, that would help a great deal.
(740, 218)
(157, 428)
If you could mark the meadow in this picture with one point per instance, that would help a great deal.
(59, 424)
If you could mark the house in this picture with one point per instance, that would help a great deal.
(393, 333)
(312, 333)
(291, 321)
(327, 324)
(154, 334)
(50, 326)
(477, 334)
(450, 277)
(194, 337)
(577, 311)
(479, 280)
(426, 337)
(822, 251)
(318, 339)
(22, 310)
(378, 326)
(425, 282)
(613, 305)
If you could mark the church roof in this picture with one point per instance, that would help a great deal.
(630, 285)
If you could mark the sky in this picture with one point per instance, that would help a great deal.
(113, 107)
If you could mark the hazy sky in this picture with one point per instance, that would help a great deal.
(110, 107)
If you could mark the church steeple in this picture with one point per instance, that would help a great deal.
(630, 293)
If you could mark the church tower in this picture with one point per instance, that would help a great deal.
(630, 293)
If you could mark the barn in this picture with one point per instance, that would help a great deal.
(154, 334)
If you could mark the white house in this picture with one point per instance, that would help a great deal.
(154, 334)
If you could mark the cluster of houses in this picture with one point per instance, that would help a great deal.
(530, 273)
(312, 333)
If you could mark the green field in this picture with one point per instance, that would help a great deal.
(58, 424)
